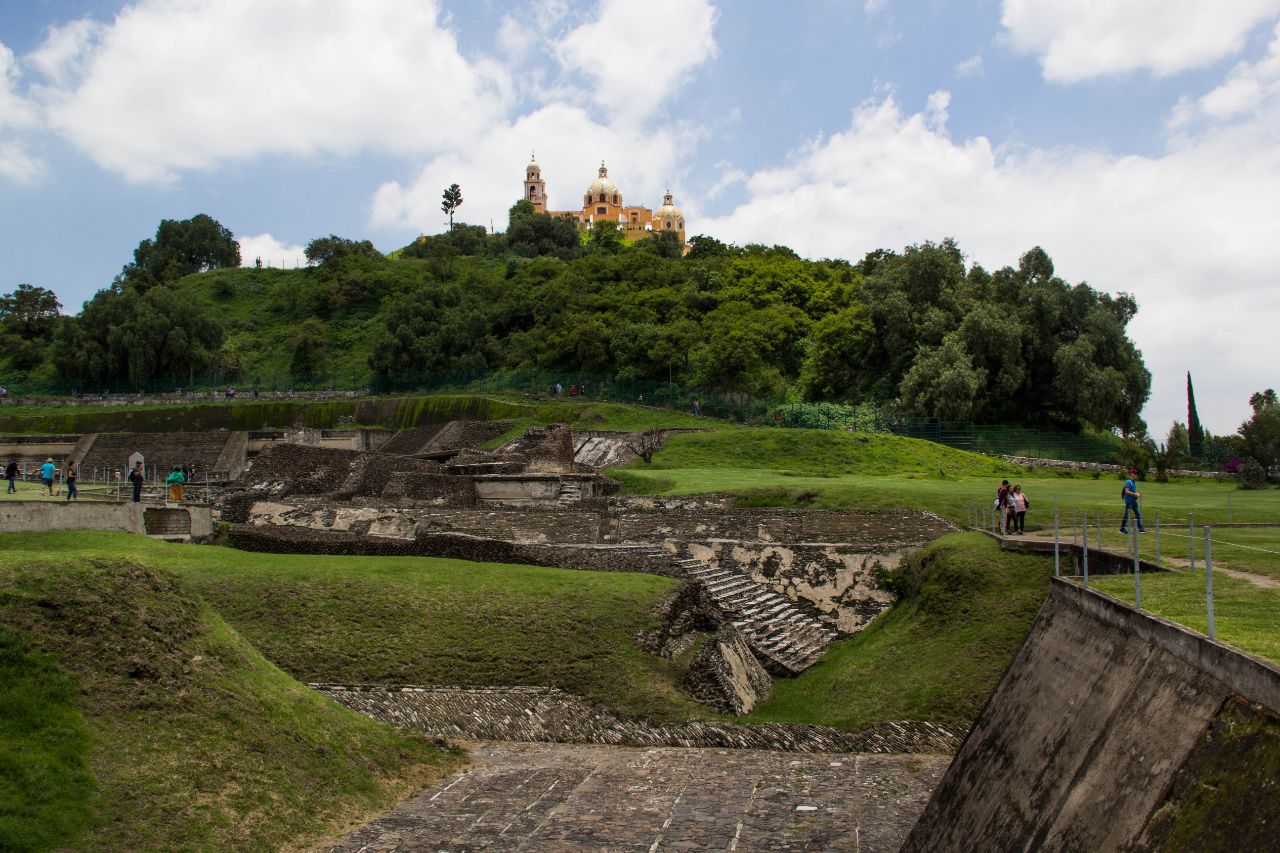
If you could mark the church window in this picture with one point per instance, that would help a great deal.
(601, 210)
(668, 223)
(615, 199)
(602, 198)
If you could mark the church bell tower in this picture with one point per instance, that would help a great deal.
(535, 189)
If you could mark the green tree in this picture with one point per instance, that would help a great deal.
(310, 343)
(322, 250)
(605, 238)
(452, 201)
(29, 312)
(1260, 435)
(1177, 445)
(943, 383)
(839, 348)
(180, 248)
(534, 235)
(1195, 431)
(126, 335)
(664, 244)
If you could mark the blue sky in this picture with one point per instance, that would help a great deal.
(1135, 140)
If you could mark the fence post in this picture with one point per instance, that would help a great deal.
(1137, 572)
(1157, 537)
(1056, 570)
(1208, 577)
(1074, 521)
(1084, 554)
(1099, 518)
(1228, 507)
(1191, 540)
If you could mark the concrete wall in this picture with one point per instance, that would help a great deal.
(1079, 746)
(40, 516)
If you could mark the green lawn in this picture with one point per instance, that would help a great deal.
(409, 620)
(1245, 616)
(132, 717)
(964, 609)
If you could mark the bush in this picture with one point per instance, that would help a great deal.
(1251, 475)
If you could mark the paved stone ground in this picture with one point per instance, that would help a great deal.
(573, 797)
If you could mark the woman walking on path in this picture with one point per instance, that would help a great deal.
(11, 474)
(70, 476)
(1018, 505)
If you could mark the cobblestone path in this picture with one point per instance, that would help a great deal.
(573, 797)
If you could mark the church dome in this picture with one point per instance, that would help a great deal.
(668, 212)
(532, 168)
(602, 184)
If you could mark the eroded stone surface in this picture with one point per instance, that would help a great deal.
(563, 798)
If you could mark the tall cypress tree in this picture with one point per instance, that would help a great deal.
(1195, 433)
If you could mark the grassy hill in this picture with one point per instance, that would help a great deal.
(132, 717)
(415, 620)
(964, 608)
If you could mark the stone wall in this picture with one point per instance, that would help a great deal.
(289, 539)
(836, 583)
(725, 674)
(878, 531)
(548, 714)
(1079, 746)
(180, 521)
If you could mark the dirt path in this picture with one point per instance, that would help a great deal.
(563, 798)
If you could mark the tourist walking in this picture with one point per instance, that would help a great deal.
(1019, 505)
(136, 478)
(46, 475)
(1002, 504)
(175, 481)
(11, 474)
(70, 476)
(1131, 495)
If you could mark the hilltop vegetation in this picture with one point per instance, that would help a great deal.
(921, 330)
(135, 718)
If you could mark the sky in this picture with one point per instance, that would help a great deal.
(1134, 140)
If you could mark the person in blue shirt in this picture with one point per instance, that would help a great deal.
(1131, 495)
(46, 475)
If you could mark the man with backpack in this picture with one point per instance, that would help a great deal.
(1002, 504)
(1130, 494)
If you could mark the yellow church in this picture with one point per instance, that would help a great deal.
(602, 202)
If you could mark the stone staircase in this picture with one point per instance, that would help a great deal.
(570, 493)
(787, 639)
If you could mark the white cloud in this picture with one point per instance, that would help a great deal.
(16, 115)
(569, 145)
(970, 67)
(1082, 39)
(272, 252)
(171, 86)
(1249, 88)
(61, 57)
(871, 7)
(1173, 229)
(638, 54)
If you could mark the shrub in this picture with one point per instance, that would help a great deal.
(1251, 475)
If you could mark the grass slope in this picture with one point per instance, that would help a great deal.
(418, 620)
(45, 782)
(195, 742)
(964, 609)
(822, 453)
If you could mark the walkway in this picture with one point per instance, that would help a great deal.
(565, 798)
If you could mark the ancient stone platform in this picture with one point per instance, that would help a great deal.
(564, 798)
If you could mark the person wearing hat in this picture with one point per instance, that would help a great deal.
(1131, 495)
(46, 474)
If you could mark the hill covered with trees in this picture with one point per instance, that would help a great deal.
(920, 330)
